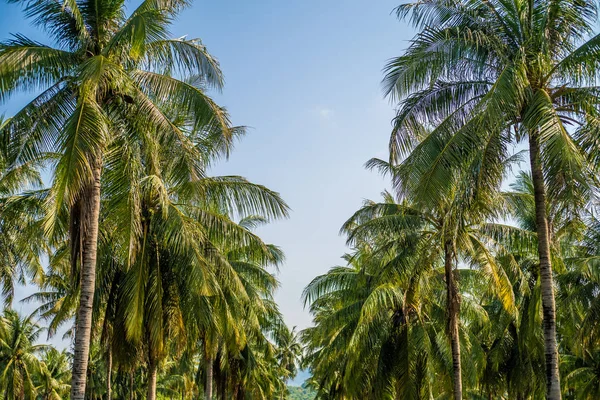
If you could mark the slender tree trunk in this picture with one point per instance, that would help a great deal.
(546, 281)
(240, 392)
(208, 387)
(453, 309)
(90, 203)
(152, 380)
(131, 384)
(109, 374)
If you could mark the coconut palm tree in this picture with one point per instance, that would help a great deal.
(175, 258)
(21, 239)
(578, 287)
(188, 227)
(52, 381)
(450, 230)
(248, 363)
(372, 336)
(516, 345)
(107, 71)
(408, 246)
(289, 350)
(488, 74)
(18, 356)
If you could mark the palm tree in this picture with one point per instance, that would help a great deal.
(373, 335)
(574, 254)
(52, 381)
(175, 246)
(289, 350)
(402, 248)
(201, 252)
(18, 356)
(450, 230)
(578, 286)
(107, 71)
(248, 364)
(21, 239)
(487, 74)
(583, 375)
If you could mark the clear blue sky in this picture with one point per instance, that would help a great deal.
(305, 75)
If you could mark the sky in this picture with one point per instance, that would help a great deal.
(305, 77)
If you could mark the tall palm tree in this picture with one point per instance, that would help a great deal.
(248, 353)
(107, 71)
(490, 72)
(451, 229)
(175, 224)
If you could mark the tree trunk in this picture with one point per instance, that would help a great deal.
(109, 374)
(90, 211)
(239, 393)
(152, 380)
(546, 281)
(131, 384)
(453, 309)
(208, 387)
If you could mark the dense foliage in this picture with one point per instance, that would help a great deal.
(457, 285)
(456, 288)
(156, 262)
(300, 393)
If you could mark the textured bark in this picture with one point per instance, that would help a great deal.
(453, 309)
(131, 384)
(109, 374)
(208, 387)
(90, 212)
(546, 280)
(151, 381)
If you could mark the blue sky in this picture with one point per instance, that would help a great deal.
(305, 76)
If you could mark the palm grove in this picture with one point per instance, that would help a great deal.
(457, 286)
(153, 261)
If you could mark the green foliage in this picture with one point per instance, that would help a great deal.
(179, 274)
(182, 289)
(300, 393)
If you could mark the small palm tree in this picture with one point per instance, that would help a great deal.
(372, 335)
(448, 231)
(19, 356)
(289, 351)
(52, 380)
